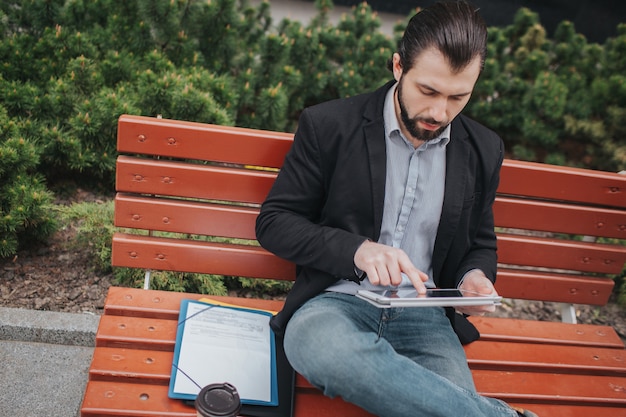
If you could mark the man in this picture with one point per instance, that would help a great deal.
(392, 189)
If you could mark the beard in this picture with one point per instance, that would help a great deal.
(411, 123)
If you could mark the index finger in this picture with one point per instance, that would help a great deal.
(418, 278)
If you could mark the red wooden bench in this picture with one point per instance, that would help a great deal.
(165, 183)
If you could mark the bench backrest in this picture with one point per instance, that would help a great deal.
(558, 227)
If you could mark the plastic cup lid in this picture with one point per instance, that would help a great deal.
(218, 400)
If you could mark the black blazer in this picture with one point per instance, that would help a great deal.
(328, 198)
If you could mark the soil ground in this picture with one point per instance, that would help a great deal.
(60, 277)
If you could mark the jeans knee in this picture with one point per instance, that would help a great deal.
(318, 352)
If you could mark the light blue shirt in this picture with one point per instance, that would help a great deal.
(414, 189)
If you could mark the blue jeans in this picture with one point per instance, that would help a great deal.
(396, 362)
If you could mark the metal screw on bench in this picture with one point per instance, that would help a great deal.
(218, 400)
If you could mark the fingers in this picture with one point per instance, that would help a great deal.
(384, 265)
(385, 274)
(417, 278)
(476, 282)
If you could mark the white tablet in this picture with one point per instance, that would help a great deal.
(408, 297)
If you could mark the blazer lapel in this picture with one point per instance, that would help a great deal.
(457, 157)
(374, 132)
(375, 137)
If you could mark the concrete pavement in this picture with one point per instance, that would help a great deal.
(44, 359)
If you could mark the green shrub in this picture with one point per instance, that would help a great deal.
(172, 281)
(25, 203)
(93, 223)
(555, 100)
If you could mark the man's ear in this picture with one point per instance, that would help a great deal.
(396, 66)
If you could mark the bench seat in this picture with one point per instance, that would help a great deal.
(515, 360)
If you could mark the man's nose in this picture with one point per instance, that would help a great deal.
(438, 109)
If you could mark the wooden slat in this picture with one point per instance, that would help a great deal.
(129, 399)
(103, 398)
(558, 183)
(158, 253)
(560, 288)
(139, 212)
(168, 254)
(189, 140)
(554, 388)
(513, 356)
(135, 302)
(136, 333)
(545, 332)
(575, 410)
(311, 403)
(146, 176)
(131, 365)
(559, 218)
(560, 254)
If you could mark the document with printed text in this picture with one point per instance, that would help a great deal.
(216, 344)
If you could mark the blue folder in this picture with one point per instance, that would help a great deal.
(206, 308)
(281, 374)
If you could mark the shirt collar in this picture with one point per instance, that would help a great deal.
(392, 126)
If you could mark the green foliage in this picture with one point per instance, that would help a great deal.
(303, 65)
(71, 68)
(26, 217)
(258, 288)
(172, 281)
(94, 228)
(25, 203)
(558, 100)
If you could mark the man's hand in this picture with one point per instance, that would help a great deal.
(476, 281)
(384, 265)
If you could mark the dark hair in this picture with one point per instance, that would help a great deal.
(453, 27)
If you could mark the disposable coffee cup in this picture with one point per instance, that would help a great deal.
(218, 400)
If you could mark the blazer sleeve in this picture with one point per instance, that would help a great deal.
(291, 223)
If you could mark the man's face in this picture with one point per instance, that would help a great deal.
(430, 94)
